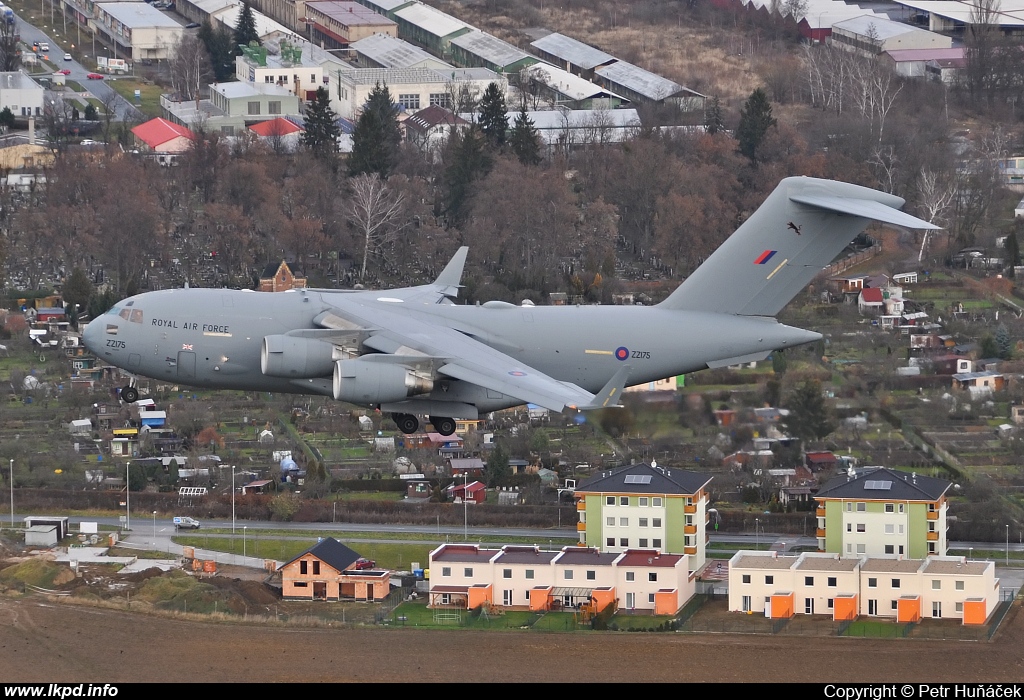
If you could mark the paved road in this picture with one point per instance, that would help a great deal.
(98, 88)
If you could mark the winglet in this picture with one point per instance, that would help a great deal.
(609, 396)
(451, 275)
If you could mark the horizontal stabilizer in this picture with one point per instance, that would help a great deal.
(867, 208)
(609, 396)
(799, 229)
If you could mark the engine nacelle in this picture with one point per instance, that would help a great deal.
(364, 382)
(295, 357)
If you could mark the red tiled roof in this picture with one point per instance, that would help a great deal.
(871, 295)
(159, 131)
(275, 127)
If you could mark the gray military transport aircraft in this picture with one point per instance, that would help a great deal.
(413, 352)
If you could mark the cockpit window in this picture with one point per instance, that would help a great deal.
(125, 314)
(136, 316)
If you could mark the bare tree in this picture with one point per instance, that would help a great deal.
(56, 120)
(190, 68)
(376, 212)
(935, 197)
(10, 54)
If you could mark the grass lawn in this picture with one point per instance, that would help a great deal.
(417, 614)
(126, 88)
(341, 535)
(874, 628)
(387, 555)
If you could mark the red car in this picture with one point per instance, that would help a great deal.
(64, 71)
(362, 564)
(94, 76)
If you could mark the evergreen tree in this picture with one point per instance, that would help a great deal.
(1003, 342)
(809, 416)
(376, 137)
(498, 472)
(219, 43)
(714, 121)
(1012, 253)
(77, 291)
(466, 161)
(494, 117)
(755, 120)
(322, 131)
(7, 117)
(524, 140)
(245, 30)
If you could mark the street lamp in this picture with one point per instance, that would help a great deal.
(244, 528)
(127, 497)
(465, 507)
(154, 528)
(970, 551)
(1007, 545)
(757, 541)
(232, 499)
(12, 494)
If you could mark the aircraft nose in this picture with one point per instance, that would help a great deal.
(91, 336)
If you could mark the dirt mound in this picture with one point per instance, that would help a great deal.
(253, 592)
(142, 576)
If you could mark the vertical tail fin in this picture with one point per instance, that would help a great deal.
(797, 231)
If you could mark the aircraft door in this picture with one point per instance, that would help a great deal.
(186, 365)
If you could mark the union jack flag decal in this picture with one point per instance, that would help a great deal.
(186, 346)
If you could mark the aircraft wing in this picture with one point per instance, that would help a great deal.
(405, 338)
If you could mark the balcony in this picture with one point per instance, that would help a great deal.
(933, 537)
(932, 515)
(821, 532)
(689, 550)
(581, 527)
(690, 509)
(689, 529)
(820, 512)
(581, 505)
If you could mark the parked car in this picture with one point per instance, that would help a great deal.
(191, 25)
(68, 57)
(362, 564)
(185, 523)
(94, 76)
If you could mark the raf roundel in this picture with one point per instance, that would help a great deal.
(517, 373)
(622, 354)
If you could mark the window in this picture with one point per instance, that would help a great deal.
(890, 549)
(656, 522)
(467, 572)
(268, 78)
(890, 507)
(609, 521)
(623, 522)
(746, 578)
(872, 583)
(446, 571)
(862, 507)
(609, 500)
(831, 602)
(849, 507)
(656, 502)
(227, 130)
(650, 597)
(568, 574)
(936, 584)
(872, 607)
(769, 579)
(849, 548)
(609, 542)
(832, 582)
(895, 583)
(860, 549)
(861, 527)
(303, 567)
(506, 573)
(643, 522)
(254, 108)
(630, 575)
(439, 99)
(849, 527)
(958, 607)
(316, 568)
(301, 584)
(746, 603)
(409, 101)
(274, 107)
(623, 541)
(900, 549)
(895, 605)
(623, 500)
(808, 580)
(643, 542)
(656, 543)
(529, 574)
(809, 606)
(643, 501)
(591, 575)
(446, 599)
(901, 507)
(890, 529)
(652, 577)
(959, 585)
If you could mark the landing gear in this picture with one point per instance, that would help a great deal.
(445, 426)
(129, 394)
(406, 422)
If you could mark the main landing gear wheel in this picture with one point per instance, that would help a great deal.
(445, 426)
(129, 394)
(406, 422)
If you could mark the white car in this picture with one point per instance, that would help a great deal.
(44, 46)
(67, 57)
(185, 523)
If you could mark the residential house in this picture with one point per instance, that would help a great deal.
(905, 590)
(529, 578)
(279, 278)
(880, 512)
(163, 136)
(282, 135)
(644, 506)
(979, 383)
(328, 571)
(430, 127)
(474, 492)
(472, 466)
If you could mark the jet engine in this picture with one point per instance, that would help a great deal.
(367, 382)
(294, 357)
